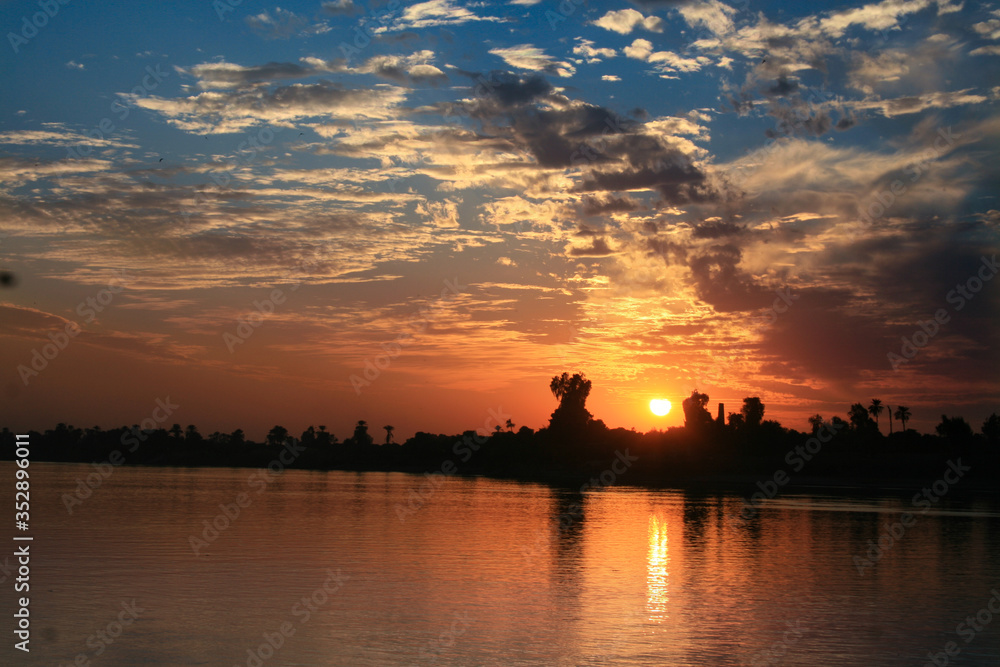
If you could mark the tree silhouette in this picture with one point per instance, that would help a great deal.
(510, 425)
(903, 415)
(388, 433)
(954, 428)
(860, 421)
(736, 420)
(361, 436)
(875, 409)
(696, 416)
(237, 437)
(191, 435)
(277, 436)
(572, 392)
(753, 411)
(175, 431)
(888, 413)
(991, 427)
(816, 421)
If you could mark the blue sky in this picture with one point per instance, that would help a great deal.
(622, 188)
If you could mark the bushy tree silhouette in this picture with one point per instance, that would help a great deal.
(753, 411)
(696, 415)
(572, 392)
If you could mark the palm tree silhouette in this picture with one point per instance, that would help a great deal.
(875, 409)
(903, 415)
(388, 433)
(510, 425)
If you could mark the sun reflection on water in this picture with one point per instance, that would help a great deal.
(657, 570)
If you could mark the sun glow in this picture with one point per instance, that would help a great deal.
(659, 406)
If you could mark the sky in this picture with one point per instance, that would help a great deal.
(417, 213)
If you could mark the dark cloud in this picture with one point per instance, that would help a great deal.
(716, 229)
(598, 248)
(339, 7)
(722, 284)
(609, 204)
(782, 88)
(670, 251)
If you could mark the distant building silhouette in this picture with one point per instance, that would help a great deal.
(721, 419)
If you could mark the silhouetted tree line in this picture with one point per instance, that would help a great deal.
(706, 450)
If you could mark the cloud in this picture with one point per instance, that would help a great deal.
(610, 77)
(72, 64)
(665, 61)
(219, 112)
(528, 57)
(229, 75)
(586, 50)
(283, 25)
(436, 13)
(710, 14)
(597, 248)
(881, 16)
(338, 7)
(916, 103)
(624, 21)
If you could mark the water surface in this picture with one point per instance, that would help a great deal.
(486, 572)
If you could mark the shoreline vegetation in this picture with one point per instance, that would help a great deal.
(744, 454)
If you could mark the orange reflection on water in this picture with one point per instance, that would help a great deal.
(657, 569)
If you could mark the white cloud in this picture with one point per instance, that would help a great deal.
(435, 13)
(624, 21)
(712, 14)
(586, 49)
(526, 56)
(610, 77)
(666, 61)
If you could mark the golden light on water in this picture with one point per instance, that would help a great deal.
(657, 569)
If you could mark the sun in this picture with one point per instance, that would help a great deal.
(659, 406)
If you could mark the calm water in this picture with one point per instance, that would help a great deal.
(486, 574)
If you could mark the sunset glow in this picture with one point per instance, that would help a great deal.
(268, 219)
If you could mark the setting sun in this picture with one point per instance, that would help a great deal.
(659, 406)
